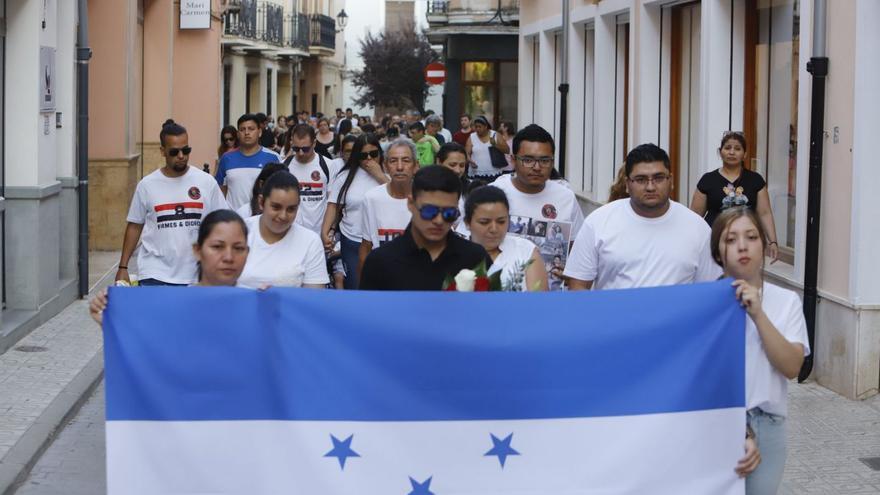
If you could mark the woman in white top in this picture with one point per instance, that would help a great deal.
(221, 250)
(282, 254)
(776, 339)
(477, 147)
(253, 206)
(362, 172)
(487, 215)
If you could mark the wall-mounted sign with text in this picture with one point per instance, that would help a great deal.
(47, 79)
(195, 14)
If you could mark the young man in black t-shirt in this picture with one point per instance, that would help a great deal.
(428, 251)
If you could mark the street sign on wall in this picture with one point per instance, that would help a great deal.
(47, 79)
(195, 14)
(435, 73)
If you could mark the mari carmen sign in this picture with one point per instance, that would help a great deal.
(195, 14)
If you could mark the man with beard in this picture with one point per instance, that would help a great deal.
(165, 214)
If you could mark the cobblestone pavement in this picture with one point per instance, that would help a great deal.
(827, 436)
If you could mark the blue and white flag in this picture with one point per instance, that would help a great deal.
(290, 391)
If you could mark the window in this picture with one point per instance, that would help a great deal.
(684, 98)
(771, 92)
(536, 62)
(587, 170)
(489, 88)
(621, 90)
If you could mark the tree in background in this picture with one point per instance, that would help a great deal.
(393, 73)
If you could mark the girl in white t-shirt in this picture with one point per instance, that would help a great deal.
(221, 250)
(776, 339)
(362, 172)
(253, 206)
(487, 215)
(281, 252)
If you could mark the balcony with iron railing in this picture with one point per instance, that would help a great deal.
(264, 26)
(322, 38)
(465, 12)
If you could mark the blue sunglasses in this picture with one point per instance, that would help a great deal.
(429, 212)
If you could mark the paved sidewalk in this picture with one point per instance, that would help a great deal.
(46, 376)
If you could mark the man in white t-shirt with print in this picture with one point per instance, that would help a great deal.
(385, 212)
(541, 210)
(238, 169)
(165, 214)
(313, 173)
(645, 240)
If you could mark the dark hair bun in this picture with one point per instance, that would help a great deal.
(168, 122)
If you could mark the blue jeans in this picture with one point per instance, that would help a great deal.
(350, 260)
(770, 435)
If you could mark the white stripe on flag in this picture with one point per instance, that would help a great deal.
(673, 453)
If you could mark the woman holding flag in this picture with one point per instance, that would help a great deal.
(776, 339)
(221, 251)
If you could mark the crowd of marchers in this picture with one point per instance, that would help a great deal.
(404, 204)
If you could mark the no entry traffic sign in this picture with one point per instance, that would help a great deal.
(435, 73)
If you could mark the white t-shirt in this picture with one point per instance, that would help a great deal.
(352, 217)
(550, 219)
(171, 210)
(515, 253)
(238, 173)
(244, 211)
(313, 192)
(384, 217)
(766, 387)
(297, 259)
(619, 249)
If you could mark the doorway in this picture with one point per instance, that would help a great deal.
(684, 101)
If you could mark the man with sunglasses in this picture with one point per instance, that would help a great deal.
(165, 214)
(238, 169)
(314, 174)
(428, 251)
(645, 240)
(545, 205)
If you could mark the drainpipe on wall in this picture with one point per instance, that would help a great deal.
(563, 89)
(83, 54)
(818, 67)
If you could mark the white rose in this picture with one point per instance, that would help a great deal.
(465, 280)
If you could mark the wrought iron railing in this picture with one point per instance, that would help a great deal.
(323, 31)
(270, 26)
(438, 6)
(242, 22)
(296, 33)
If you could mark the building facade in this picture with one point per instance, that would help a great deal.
(680, 74)
(280, 56)
(479, 48)
(145, 69)
(38, 176)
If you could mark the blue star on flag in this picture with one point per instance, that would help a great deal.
(501, 448)
(342, 450)
(422, 488)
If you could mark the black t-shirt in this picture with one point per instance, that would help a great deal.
(722, 193)
(403, 265)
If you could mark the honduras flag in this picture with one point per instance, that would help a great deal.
(305, 392)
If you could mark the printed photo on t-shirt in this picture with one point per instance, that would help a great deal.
(552, 240)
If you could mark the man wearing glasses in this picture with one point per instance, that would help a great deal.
(645, 240)
(544, 204)
(165, 214)
(428, 251)
(313, 174)
(238, 169)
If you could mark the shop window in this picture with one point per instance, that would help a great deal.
(621, 90)
(771, 92)
(684, 98)
(489, 88)
(587, 170)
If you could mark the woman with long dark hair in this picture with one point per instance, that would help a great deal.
(344, 129)
(362, 172)
(228, 142)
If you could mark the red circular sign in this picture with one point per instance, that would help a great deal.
(435, 73)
